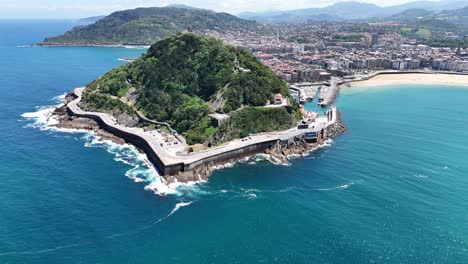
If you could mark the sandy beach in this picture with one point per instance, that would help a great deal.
(414, 78)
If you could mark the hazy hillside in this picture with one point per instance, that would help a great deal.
(148, 25)
(349, 10)
(425, 24)
(90, 20)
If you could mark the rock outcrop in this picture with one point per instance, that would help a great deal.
(79, 123)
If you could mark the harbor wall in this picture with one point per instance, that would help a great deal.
(232, 155)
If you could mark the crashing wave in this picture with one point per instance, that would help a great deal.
(142, 170)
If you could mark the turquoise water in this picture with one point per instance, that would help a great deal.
(392, 189)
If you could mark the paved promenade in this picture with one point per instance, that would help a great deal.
(170, 158)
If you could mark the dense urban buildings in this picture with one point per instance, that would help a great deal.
(316, 51)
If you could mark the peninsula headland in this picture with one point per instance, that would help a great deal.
(192, 103)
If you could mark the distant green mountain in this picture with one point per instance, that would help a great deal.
(185, 77)
(425, 24)
(457, 16)
(182, 6)
(348, 11)
(409, 15)
(145, 26)
(90, 20)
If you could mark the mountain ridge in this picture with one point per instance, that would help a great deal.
(347, 10)
(145, 26)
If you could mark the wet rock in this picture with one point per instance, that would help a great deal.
(200, 173)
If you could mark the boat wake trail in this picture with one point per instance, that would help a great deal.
(134, 232)
(159, 220)
(344, 186)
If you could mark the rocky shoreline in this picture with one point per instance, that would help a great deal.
(300, 147)
(278, 152)
(66, 121)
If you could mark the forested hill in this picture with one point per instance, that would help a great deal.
(148, 25)
(183, 78)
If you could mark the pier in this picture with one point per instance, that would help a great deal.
(171, 162)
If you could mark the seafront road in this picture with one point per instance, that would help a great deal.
(170, 158)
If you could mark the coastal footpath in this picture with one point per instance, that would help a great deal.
(184, 167)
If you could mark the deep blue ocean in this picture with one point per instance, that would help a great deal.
(392, 189)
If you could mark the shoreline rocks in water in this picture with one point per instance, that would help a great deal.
(300, 147)
(278, 152)
(80, 123)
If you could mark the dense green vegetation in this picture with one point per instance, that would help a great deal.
(148, 25)
(251, 120)
(432, 26)
(425, 28)
(179, 79)
(105, 103)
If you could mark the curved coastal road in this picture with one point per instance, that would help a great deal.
(170, 158)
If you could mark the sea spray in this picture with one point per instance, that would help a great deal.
(43, 117)
(142, 170)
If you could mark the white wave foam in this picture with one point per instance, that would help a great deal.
(421, 176)
(135, 47)
(250, 196)
(344, 186)
(142, 228)
(142, 170)
(178, 206)
(43, 118)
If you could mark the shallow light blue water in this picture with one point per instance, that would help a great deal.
(392, 189)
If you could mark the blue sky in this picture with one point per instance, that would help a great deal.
(85, 8)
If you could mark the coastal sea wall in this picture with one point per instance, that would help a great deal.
(179, 168)
(197, 169)
(202, 169)
(137, 141)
